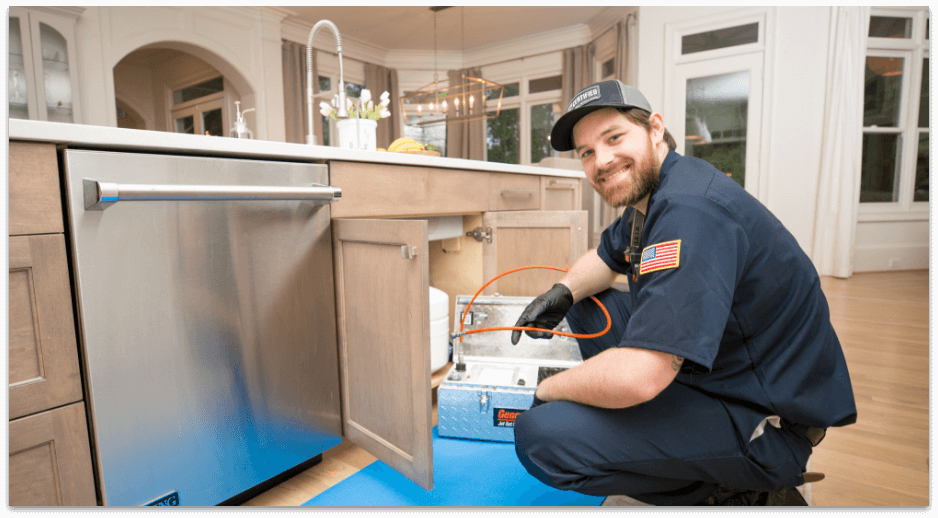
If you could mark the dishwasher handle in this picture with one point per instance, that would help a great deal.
(101, 195)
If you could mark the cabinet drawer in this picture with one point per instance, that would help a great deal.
(50, 459)
(35, 200)
(514, 192)
(43, 369)
(392, 190)
(560, 193)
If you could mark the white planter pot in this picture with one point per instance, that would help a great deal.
(358, 134)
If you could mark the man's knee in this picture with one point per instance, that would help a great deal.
(529, 433)
(538, 444)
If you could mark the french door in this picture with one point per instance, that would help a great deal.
(717, 114)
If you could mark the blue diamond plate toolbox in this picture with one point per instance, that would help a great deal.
(493, 381)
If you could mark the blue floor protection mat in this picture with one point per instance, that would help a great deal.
(466, 473)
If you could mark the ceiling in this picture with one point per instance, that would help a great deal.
(411, 27)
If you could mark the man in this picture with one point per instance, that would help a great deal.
(722, 369)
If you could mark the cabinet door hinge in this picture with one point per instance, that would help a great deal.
(479, 234)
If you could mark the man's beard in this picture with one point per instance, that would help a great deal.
(643, 180)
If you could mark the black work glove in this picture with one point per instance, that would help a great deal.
(544, 312)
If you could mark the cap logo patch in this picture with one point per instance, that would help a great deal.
(661, 257)
(584, 97)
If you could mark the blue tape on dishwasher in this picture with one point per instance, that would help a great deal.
(467, 473)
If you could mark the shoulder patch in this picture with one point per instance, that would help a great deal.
(661, 257)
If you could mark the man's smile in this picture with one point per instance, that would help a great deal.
(614, 175)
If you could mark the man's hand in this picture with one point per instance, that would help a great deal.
(544, 312)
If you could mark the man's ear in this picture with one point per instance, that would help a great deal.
(657, 128)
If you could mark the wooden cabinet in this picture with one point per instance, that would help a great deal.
(523, 238)
(49, 461)
(43, 349)
(382, 296)
(384, 265)
(50, 456)
(35, 196)
(383, 269)
(372, 190)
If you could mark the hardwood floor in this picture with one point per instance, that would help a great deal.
(882, 320)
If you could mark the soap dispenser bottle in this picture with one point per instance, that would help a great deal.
(240, 128)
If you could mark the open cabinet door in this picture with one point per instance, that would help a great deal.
(382, 297)
(521, 238)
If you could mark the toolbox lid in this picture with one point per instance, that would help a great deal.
(503, 311)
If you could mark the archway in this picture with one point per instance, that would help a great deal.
(181, 87)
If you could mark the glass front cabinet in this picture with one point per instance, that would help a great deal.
(43, 73)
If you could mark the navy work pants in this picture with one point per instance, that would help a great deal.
(672, 450)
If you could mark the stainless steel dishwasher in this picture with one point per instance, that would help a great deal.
(207, 317)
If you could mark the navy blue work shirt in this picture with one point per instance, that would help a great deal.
(728, 288)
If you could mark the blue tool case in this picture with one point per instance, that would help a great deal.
(492, 381)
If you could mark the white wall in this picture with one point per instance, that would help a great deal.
(797, 59)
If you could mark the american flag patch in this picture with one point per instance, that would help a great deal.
(661, 257)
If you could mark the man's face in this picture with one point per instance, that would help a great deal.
(617, 156)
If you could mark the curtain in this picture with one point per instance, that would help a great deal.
(841, 143)
(576, 74)
(465, 139)
(627, 72)
(627, 50)
(294, 93)
(378, 80)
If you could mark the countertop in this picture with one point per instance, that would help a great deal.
(104, 137)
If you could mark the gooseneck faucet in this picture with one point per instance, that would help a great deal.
(341, 109)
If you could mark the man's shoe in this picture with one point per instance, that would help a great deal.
(724, 495)
(785, 497)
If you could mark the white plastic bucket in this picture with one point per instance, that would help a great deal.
(439, 328)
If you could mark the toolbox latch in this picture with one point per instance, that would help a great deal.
(485, 399)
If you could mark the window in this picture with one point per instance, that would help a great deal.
(716, 105)
(894, 170)
(197, 108)
(325, 84)
(352, 92)
(197, 91)
(717, 119)
(327, 70)
(720, 38)
(608, 68)
(530, 107)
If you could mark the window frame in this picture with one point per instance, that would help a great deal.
(516, 71)
(914, 51)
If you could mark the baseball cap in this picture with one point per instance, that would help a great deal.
(605, 94)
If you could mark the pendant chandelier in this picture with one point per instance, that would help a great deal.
(451, 101)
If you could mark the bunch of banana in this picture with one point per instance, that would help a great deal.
(405, 145)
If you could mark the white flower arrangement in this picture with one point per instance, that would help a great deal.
(364, 109)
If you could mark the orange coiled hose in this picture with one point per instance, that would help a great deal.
(572, 335)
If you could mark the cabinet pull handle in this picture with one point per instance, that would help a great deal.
(408, 252)
(560, 184)
(519, 192)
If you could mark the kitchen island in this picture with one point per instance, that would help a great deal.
(117, 139)
(387, 252)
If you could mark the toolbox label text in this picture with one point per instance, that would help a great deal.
(505, 417)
